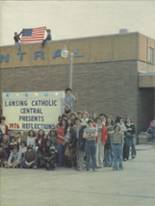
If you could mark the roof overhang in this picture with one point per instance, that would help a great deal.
(146, 79)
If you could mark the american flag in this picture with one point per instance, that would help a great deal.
(33, 35)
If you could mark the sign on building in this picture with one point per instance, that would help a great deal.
(32, 110)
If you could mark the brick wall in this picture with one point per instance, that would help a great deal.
(101, 87)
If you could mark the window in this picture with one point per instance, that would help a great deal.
(150, 55)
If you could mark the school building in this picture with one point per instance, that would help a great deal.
(114, 74)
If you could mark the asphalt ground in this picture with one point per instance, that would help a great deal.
(134, 186)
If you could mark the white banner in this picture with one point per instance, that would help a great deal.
(32, 110)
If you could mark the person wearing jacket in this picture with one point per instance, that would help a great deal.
(30, 158)
(90, 134)
(151, 130)
(129, 140)
(117, 147)
(79, 143)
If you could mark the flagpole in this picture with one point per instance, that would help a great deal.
(71, 56)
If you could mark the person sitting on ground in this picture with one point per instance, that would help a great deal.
(49, 155)
(14, 158)
(30, 157)
(22, 150)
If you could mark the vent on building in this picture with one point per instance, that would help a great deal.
(123, 31)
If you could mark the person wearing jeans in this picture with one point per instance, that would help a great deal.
(108, 146)
(117, 156)
(101, 141)
(90, 134)
(129, 140)
(117, 149)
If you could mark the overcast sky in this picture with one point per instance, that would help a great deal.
(73, 19)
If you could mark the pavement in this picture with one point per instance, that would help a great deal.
(134, 186)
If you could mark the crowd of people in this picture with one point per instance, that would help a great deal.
(79, 140)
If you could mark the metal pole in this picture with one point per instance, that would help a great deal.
(71, 70)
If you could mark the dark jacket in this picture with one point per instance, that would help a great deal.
(78, 142)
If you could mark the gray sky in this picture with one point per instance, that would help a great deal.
(73, 19)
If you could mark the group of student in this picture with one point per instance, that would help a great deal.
(79, 140)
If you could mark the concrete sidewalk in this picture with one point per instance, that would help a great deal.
(134, 186)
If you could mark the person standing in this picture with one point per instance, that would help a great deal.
(90, 134)
(48, 37)
(101, 140)
(60, 139)
(108, 146)
(69, 100)
(129, 135)
(16, 38)
(3, 126)
(84, 118)
(117, 142)
(119, 121)
(79, 143)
